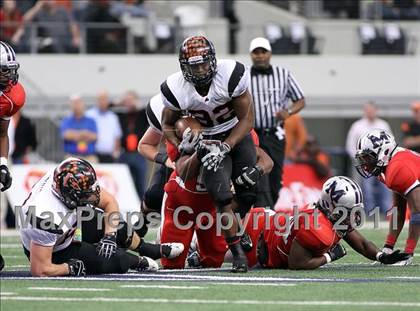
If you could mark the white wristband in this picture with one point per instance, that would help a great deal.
(327, 257)
(378, 254)
(3, 161)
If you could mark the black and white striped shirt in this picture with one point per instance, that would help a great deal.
(271, 90)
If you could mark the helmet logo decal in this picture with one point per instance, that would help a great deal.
(378, 141)
(334, 194)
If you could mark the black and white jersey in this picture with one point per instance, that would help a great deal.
(48, 227)
(214, 111)
(154, 113)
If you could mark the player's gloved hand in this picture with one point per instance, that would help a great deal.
(107, 246)
(394, 257)
(189, 141)
(212, 160)
(76, 267)
(335, 253)
(5, 178)
(249, 176)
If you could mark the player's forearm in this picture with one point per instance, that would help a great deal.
(264, 161)
(148, 151)
(297, 106)
(4, 147)
(109, 205)
(189, 168)
(49, 270)
(241, 129)
(401, 209)
(169, 133)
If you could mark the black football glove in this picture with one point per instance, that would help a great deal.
(189, 141)
(249, 176)
(76, 267)
(337, 252)
(212, 160)
(394, 257)
(107, 246)
(5, 178)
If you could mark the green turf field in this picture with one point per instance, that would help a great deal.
(351, 283)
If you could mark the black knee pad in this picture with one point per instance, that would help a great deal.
(118, 263)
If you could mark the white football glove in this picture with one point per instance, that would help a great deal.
(189, 141)
(212, 160)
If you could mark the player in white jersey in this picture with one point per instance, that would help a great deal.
(150, 148)
(216, 94)
(56, 246)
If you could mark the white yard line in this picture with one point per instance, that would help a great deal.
(7, 293)
(254, 284)
(223, 302)
(71, 289)
(163, 286)
(10, 245)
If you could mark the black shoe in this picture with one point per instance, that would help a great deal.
(246, 242)
(240, 262)
(1, 263)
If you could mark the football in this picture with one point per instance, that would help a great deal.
(182, 124)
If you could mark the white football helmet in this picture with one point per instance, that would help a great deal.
(8, 66)
(373, 152)
(341, 195)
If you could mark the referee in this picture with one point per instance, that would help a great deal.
(271, 88)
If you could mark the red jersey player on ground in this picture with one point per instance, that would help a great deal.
(12, 98)
(186, 190)
(314, 240)
(399, 169)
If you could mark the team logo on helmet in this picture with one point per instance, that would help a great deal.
(374, 151)
(341, 201)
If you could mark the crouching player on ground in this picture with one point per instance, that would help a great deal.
(379, 156)
(186, 197)
(314, 240)
(56, 247)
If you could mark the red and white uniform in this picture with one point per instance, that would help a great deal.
(403, 171)
(193, 194)
(318, 236)
(212, 247)
(11, 101)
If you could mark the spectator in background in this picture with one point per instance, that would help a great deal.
(109, 130)
(104, 40)
(22, 138)
(411, 130)
(57, 29)
(375, 193)
(79, 132)
(135, 8)
(134, 124)
(296, 135)
(312, 155)
(11, 20)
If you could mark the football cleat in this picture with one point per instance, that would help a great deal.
(171, 250)
(246, 242)
(194, 260)
(239, 261)
(387, 250)
(407, 262)
(147, 264)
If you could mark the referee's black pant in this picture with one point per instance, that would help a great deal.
(275, 148)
